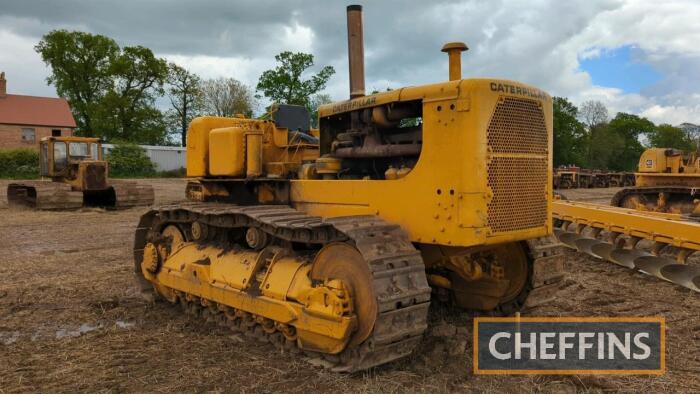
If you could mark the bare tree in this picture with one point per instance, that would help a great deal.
(185, 95)
(227, 97)
(593, 113)
(315, 102)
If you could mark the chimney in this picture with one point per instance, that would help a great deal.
(454, 51)
(3, 85)
(356, 51)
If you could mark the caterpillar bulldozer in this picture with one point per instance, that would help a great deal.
(333, 242)
(667, 180)
(78, 177)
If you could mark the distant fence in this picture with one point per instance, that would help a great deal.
(165, 158)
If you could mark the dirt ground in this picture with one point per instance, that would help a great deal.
(71, 320)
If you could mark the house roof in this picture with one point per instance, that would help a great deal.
(35, 111)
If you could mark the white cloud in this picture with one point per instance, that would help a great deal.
(245, 70)
(298, 38)
(535, 41)
(666, 33)
(24, 70)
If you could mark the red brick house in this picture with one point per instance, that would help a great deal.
(24, 120)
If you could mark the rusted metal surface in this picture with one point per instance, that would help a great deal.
(45, 195)
(378, 151)
(674, 199)
(132, 194)
(356, 51)
(56, 196)
(95, 176)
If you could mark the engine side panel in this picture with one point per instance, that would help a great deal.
(468, 187)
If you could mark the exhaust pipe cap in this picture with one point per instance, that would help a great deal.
(460, 46)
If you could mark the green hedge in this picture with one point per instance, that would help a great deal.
(129, 161)
(19, 163)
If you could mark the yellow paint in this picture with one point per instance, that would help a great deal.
(254, 158)
(443, 199)
(286, 295)
(198, 142)
(229, 142)
(267, 143)
(667, 228)
(668, 167)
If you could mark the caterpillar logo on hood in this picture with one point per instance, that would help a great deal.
(519, 90)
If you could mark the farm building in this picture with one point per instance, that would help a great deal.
(165, 158)
(24, 120)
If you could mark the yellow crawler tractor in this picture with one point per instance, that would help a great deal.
(332, 241)
(78, 177)
(667, 180)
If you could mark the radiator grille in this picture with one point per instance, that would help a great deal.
(517, 126)
(517, 169)
(95, 177)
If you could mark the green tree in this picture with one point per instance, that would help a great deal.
(186, 98)
(129, 160)
(629, 128)
(286, 84)
(603, 145)
(111, 90)
(80, 70)
(667, 136)
(570, 142)
(22, 163)
(138, 78)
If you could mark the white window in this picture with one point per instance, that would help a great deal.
(78, 150)
(60, 160)
(28, 135)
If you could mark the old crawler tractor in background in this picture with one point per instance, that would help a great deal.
(667, 180)
(78, 177)
(335, 241)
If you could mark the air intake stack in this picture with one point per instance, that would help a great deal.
(454, 51)
(356, 51)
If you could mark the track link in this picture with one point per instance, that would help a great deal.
(131, 194)
(681, 197)
(547, 255)
(398, 275)
(45, 195)
(56, 196)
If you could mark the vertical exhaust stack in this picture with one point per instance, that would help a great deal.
(356, 51)
(454, 51)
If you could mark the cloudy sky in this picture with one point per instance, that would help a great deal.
(635, 56)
